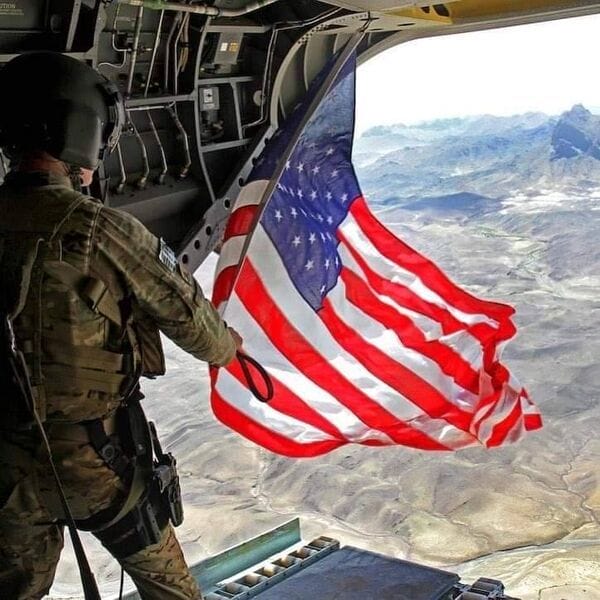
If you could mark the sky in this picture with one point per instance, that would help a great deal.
(544, 67)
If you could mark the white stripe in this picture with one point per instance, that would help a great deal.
(430, 328)
(500, 411)
(386, 340)
(516, 432)
(251, 194)
(231, 253)
(466, 346)
(256, 343)
(272, 272)
(235, 394)
(443, 432)
(463, 343)
(389, 270)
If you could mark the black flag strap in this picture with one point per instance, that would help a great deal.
(245, 361)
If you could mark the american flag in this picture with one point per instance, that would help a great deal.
(365, 340)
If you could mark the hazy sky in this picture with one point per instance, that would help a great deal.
(546, 67)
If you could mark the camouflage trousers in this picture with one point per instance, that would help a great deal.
(30, 543)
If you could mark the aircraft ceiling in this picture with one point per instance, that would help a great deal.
(198, 116)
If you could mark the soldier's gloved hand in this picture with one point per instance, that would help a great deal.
(237, 338)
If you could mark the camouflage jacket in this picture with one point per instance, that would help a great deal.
(81, 357)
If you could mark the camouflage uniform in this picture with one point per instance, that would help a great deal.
(80, 362)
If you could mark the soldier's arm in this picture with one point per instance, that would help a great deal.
(168, 294)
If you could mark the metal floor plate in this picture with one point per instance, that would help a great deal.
(353, 574)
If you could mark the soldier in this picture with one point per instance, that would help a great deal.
(85, 291)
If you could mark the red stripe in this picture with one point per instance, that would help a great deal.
(404, 296)
(408, 258)
(287, 403)
(500, 431)
(258, 433)
(498, 381)
(450, 362)
(224, 284)
(533, 422)
(240, 222)
(397, 376)
(292, 344)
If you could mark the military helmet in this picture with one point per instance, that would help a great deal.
(58, 104)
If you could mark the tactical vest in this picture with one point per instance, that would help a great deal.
(82, 347)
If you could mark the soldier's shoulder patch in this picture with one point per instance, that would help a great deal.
(167, 256)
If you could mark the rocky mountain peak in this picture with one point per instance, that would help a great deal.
(576, 133)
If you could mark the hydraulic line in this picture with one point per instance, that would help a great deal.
(185, 50)
(143, 180)
(165, 167)
(113, 42)
(186, 144)
(154, 51)
(210, 11)
(134, 49)
(277, 27)
(176, 62)
(197, 118)
(123, 181)
(176, 19)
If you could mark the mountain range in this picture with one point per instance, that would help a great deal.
(468, 163)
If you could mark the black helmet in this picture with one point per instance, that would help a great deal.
(52, 102)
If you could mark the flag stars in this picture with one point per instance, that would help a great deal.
(312, 238)
(315, 169)
(296, 241)
(313, 195)
(300, 167)
(327, 263)
(344, 197)
(328, 196)
(334, 173)
(287, 165)
(293, 212)
(299, 193)
(309, 265)
(278, 216)
(330, 151)
(322, 290)
(320, 218)
(330, 221)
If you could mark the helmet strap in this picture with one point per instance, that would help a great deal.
(75, 177)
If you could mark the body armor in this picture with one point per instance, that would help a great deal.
(75, 329)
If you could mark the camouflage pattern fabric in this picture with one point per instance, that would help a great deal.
(30, 544)
(80, 360)
(83, 358)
